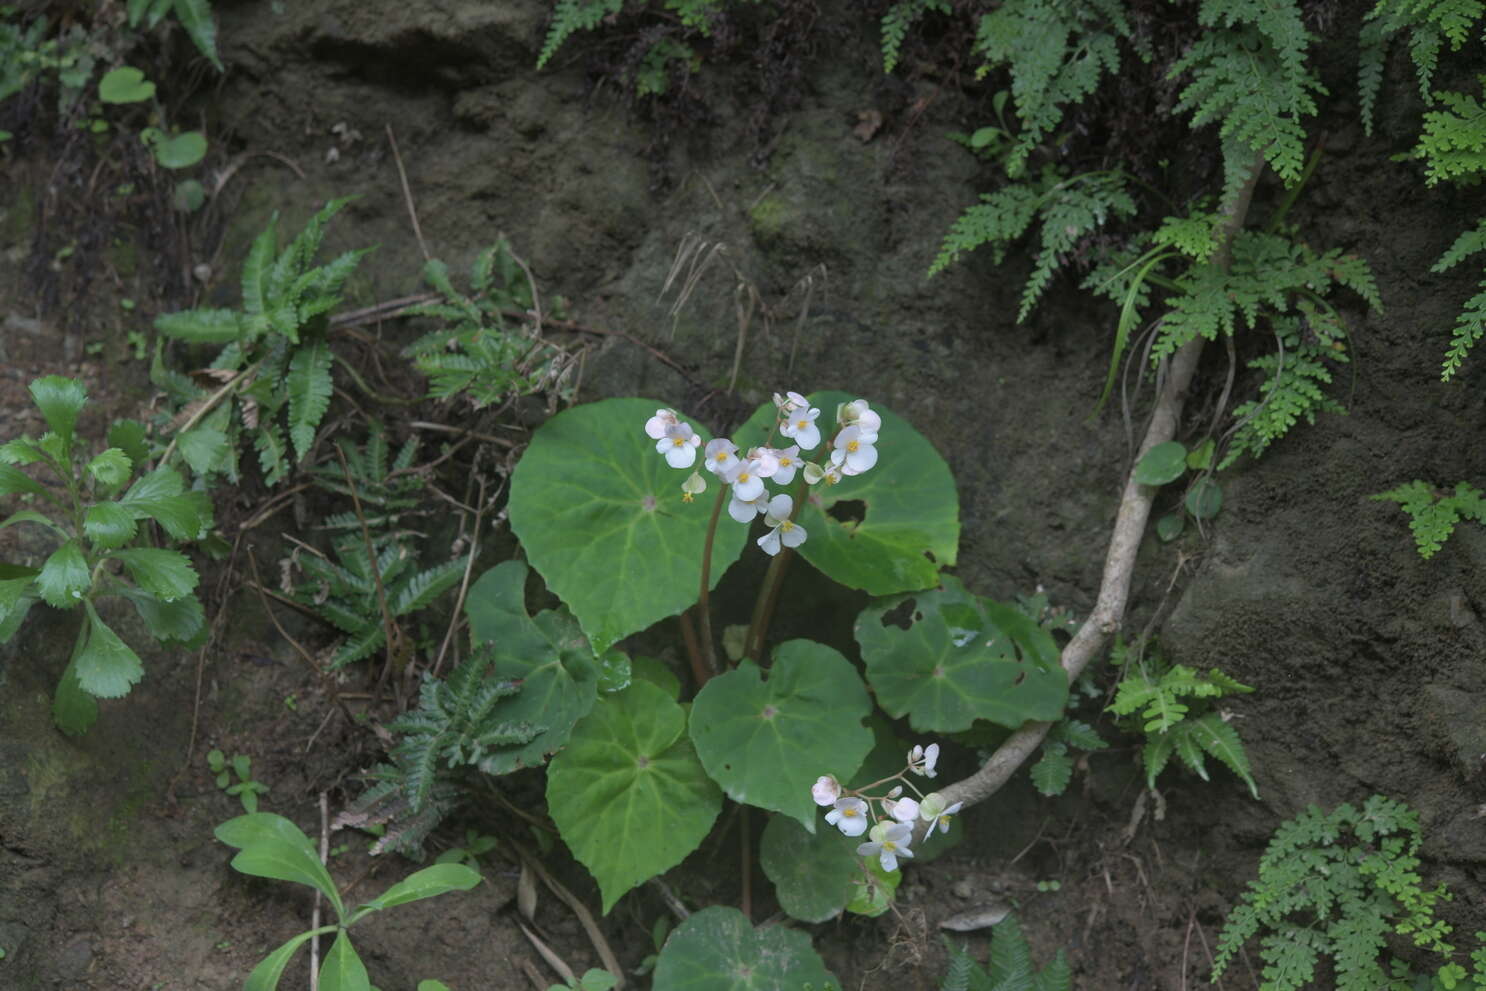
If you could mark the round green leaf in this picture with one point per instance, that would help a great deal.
(125, 84)
(106, 666)
(601, 517)
(717, 949)
(627, 793)
(188, 197)
(812, 873)
(766, 742)
(111, 468)
(888, 530)
(181, 151)
(961, 658)
(547, 654)
(655, 671)
(1205, 499)
(1161, 464)
(1170, 526)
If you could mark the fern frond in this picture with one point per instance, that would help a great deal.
(309, 386)
(1071, 211)
(1433, 514)
(1221, 740)
(1051, 773)
(571, 16)
(423, 588)
(1000, 218)
(895, 24)
(961, 966)
(1453, 140)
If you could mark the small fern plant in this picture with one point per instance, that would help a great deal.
(270, 382)
(1054, 769)
(1010, 967)
(1173, 707)
(476, 353)
(1433, 513)
(386, 486)
(1336, 885)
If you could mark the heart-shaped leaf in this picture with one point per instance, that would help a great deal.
(766, 741)
(812, 874)
(125, 84)
(959, 659)
(181, 151)
(1161, 464)
(601, 517)
(888, 530)
(628, 794)
(717, 949)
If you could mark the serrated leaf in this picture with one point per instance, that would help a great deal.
(628, 794)
(1161, 464)
(13, 481)
(309, 388)
(1155, 755)
(106, 666)
(812, 873)
(547, 654)
(962, 658)
(109, 525)
(196, 17)
(60, 400)
(1221, 740)
(600, 515)
(1077, 733)
(424, 587)
(888, 530)
(201, 326)
(717, 949)
(20, 451)
(203, 448)
(169, 622)
(257, 270)
(165, 574)
(766, 741)
(1051, 774)
(161, 496)
(111, 468)
(271, 846)
(64, 578)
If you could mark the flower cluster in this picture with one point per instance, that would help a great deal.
(890, 817)
(851, 451)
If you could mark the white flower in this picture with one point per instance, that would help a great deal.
(693, 486)
(789, 402)
(932, 811)
(785, 531)
(746, 479)
(744, 511)
(657, 425)
(679, 445)
(889, 842)
(800, 427)
(722, 454)
(849, 816)
(789, 463)
(854, 451)
(766, 460)
(859, 413)
(825, 791)
(903, 810)
(921, 760)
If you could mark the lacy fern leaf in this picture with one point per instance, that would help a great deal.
(895, 24)
(1010, 967)
(1433, 514)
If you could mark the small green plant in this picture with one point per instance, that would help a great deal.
(193, 15)
(102, 549)
(386, 486)
(246, 789)
(172, 150)
(1010, 967)
(1168, 462)
(476, 845)
(273, 847)
(1172, 706)
(1336, 885)
(26, 53)
(273, 369)
(1054, 769)
(1433, 512)
(592, 980)
(476, 353)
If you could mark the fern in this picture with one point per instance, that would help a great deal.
(1433, 514)
(1429, 25)
(895, 24)
(1171, 704)
(1010, 967)
(1250, 76)
(388, 490)
(1054, 769)
(1335, 885)
(1453, 140)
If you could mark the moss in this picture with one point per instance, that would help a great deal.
(769, 218)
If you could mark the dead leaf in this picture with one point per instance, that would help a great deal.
(981, 917)
(869, 122)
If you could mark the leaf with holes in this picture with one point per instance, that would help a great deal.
(601, 517)
(627, 793)
(958, 659)
(717, 949)
(888, 530)
(766, 741)
(547, 654)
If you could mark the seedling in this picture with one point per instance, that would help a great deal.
(247, 790)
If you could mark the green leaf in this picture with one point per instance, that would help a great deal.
(812, 873)
(1205, 499)
(548, 655)
(962, 658)
(73, 710)
(658, 673)
(125, 84)
(428, 883)
(766, 742)
(163, 573)
(111, 468)
(108, 525)
(203, 448)
(60, 400)
(64, 578)
(181, 151)
(717, 949)
(873, 889)
(265, 976)
(196, 17)
(1051, 774)
(889, 530)
(13, 481)
(1170, 526)
(1161, 464)
(169, 622)
(161, 496)
(628, 794)
(600, 515)
(201, 326)
(343, 969)
(1221, 740)
(273, 847)
(105, 665)
(309, 388)
(20, 451)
